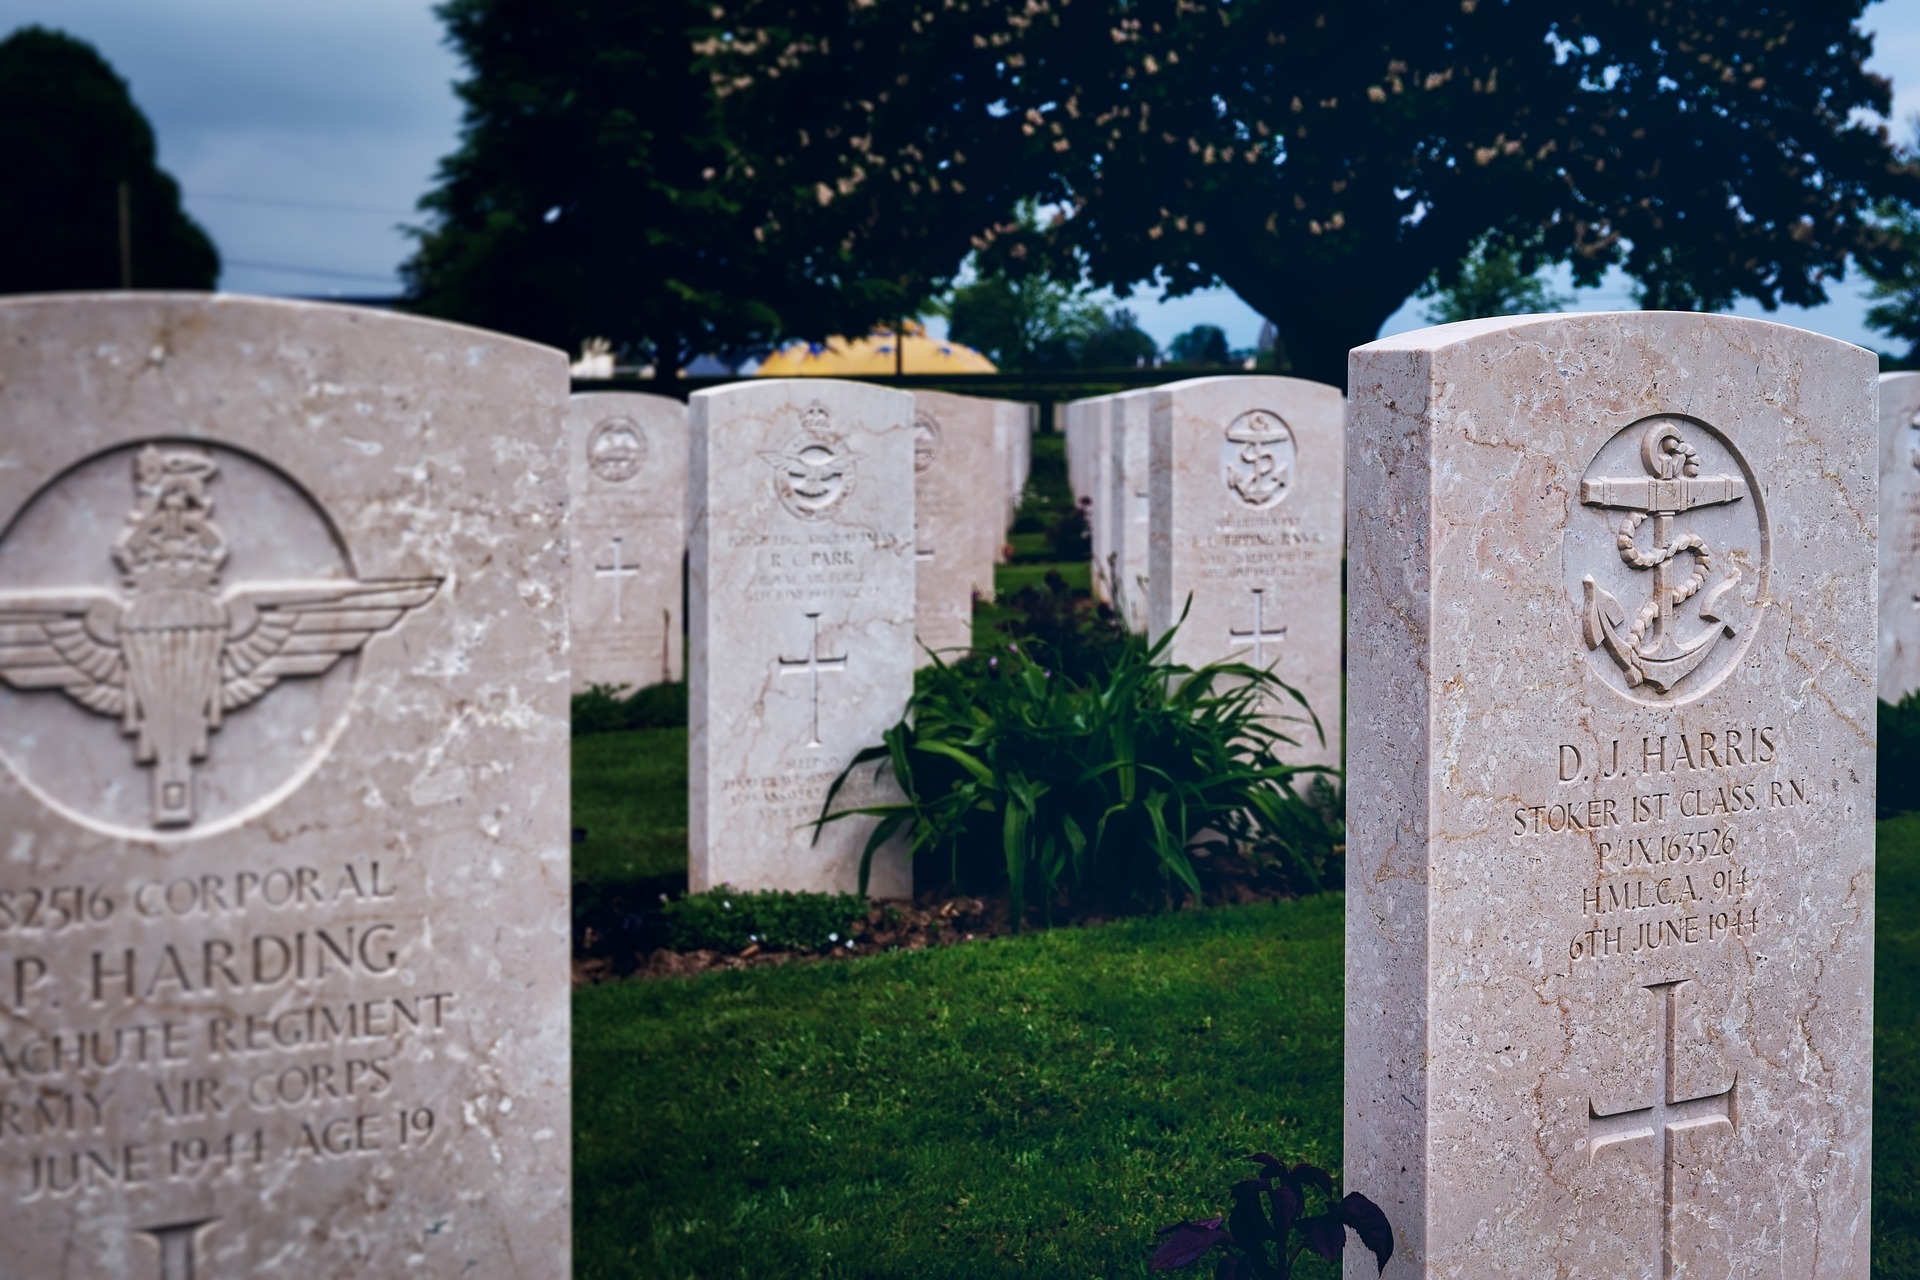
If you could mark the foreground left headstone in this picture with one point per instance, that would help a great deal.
(283, 761)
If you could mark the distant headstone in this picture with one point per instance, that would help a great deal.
(1899, 535)
(1610, 802)
(801, 623)
(957, 533)
(1009, 429)
(283, 756)
(1248, 522)
(627, 463)
(1127, 499)
(1097, 465)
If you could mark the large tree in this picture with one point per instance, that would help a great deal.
(1324, 160)
(71, 138)
(586, 197)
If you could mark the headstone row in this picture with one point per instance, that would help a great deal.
(1220, 499)
(284, 667)
(628, 465)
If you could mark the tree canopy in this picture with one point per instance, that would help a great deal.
(587, 198)
(70, 135)
(1321, 160)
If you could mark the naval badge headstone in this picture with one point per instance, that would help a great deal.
(1610, 796)
(283, 917)
(627, 464)
(801, 607)
(1899, 535)
(1248, 531)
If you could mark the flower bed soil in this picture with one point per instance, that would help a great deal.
(617, 930)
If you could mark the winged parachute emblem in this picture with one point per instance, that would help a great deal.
(175, 654)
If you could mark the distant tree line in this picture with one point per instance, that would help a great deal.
(84, 203)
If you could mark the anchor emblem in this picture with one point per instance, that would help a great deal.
(1652, 650)
(1258, 457)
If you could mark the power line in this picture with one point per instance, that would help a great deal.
(314, 205)
(290, 269)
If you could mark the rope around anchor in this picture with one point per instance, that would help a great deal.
(1702, 569)
(1688, 460)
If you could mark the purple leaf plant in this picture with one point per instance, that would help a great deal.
(1268, 1210)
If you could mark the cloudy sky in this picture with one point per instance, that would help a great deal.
(304, 131)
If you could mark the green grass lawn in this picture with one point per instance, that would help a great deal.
(630, 793)
(1029, 1106)
(1896, 1048)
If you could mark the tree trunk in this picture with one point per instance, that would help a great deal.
(669, 358)
(1319, 319)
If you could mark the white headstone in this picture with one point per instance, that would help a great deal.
(1248, 523)
(283, 757)
(801, 622)
(1127, 498)
(1899, 535)
(627, 463)
(957, 534)
(1610, 840)
(1098, 464)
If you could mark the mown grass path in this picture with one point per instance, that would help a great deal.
(1896, 1052)
(1029, 1106)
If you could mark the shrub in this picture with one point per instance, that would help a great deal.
(725, 919)
(1101, 786)
(1899, 767)
(603, 709)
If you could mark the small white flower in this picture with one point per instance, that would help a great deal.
(849, 944)
(663, 897)
(833, 937)
(725, 905)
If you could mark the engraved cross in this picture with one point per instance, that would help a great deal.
(617, 570)
(1663, 1121)
(1260, 633)
(177, 1241)
(813, 664)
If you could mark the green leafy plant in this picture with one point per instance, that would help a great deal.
(608, 708)
(725, 919)
(1267, 1211)
(1106, 784)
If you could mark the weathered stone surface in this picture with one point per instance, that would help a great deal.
(1127, 499)
(1610, 873)
(283, 725)
(1013, 445)
(1899, 535)
(627, 465)
(957, 532)
(1248, 522)
(801, 619)
(1097, 464)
